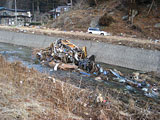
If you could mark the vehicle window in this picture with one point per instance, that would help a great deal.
(97, 29)
(94, 29)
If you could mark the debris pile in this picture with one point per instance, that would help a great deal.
(64, 55)
(140, 81)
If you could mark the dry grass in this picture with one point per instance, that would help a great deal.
(29, 95)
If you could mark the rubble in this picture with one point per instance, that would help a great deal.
(140, 81)
(84, 73)
(99, 99)
(64, 55)
(99, 79)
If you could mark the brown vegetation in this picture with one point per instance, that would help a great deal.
(79, 19)
(28, 94)
(105, 20)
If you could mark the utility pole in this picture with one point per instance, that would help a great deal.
(15, 12)
(53, 15)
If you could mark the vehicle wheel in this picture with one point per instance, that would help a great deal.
(90, 32)
(102, 33)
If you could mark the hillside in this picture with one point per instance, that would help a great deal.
(114, 13)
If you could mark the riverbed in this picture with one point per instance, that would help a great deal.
(120, 91)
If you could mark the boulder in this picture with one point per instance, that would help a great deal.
(125, 17)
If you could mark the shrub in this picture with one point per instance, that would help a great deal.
(91, 3)
(105, 20)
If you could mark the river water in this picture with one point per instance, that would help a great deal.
(122, 92)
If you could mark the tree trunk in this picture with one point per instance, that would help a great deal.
(132, 10)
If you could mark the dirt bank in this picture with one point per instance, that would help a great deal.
(117, 40)
(28, 94)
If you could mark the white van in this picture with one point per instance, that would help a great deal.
(97, 31)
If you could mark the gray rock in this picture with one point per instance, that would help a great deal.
(111, 13)
(94, 22)
(157, 25)
(125, 17)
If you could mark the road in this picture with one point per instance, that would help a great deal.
(118, 40)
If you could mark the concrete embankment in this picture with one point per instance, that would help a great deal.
(134, 58)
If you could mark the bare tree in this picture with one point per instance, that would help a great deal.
(133, 11)
(152, 4)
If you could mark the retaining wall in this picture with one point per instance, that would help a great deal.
(134, 58)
